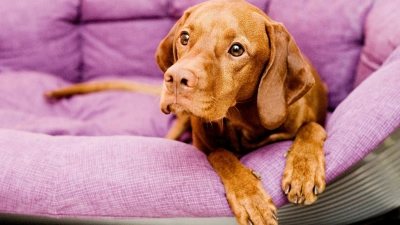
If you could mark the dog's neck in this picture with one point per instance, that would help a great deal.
(241, 131)
(244, 114)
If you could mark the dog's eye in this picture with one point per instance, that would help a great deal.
(236, 50)
(184, 38)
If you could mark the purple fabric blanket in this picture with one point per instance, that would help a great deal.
(102, 155)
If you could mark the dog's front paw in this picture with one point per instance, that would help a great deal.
(250, 203)
(304, 174)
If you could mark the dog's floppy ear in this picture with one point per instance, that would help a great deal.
(165, 54)
(286, 78)
(166, 51)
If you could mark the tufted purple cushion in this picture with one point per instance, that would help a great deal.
(382, 36)
(122, 41)
(23, 107)
(124, 48)
(109, 11)
(40, 35)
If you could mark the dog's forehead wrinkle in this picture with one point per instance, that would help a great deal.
(231, 30)
(217, 16)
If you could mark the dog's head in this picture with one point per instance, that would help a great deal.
(221, 53)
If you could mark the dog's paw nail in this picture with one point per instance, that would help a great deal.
(257, 175)
(301, 199)
(287, 189)
(286, 153)
(315, 190)
(275, 217)
(296, 200)
(250, 223)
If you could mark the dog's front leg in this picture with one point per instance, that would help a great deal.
(304, 174)
(245, 193)
(181, 125)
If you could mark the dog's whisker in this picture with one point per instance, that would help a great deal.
(156, 99)
(211, 123)
(240, 115)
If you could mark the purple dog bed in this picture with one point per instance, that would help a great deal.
(102, 156)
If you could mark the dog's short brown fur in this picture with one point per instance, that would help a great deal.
(243, 82)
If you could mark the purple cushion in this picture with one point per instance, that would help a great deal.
(122, 41)
(23, 107)
(104, 10)
(382, 36)
(106, 177)
(40, 35)
(122, 48)
(365, 118)
(330, 35)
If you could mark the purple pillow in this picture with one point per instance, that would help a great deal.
(382, 36)
(41, 35)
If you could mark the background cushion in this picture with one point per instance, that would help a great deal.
(122, 48)
(382, 36)
(23, 107)
(41, 35)
(122, 41)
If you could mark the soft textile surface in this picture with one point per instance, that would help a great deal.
(23, 107)
(86, 156)
(381, 38)
(40, 36)
(106, 177)
(365, 117)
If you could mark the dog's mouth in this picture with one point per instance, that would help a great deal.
(202, 111)
(196, 102)
(175, 108)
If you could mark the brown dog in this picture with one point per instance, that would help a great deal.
(244, 83)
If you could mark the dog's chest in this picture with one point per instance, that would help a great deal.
(239, 136)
